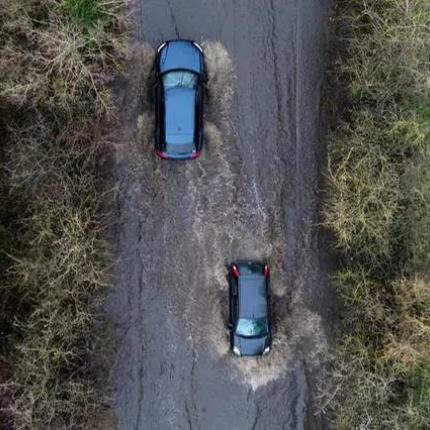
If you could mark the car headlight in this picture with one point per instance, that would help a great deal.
(161, 46)
(266, 350)
(198, 47)
(236, 351)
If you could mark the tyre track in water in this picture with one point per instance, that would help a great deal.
(252, 194)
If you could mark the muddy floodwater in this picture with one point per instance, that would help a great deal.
(254, 193)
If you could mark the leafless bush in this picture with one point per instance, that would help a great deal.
(378, 208)
(57, 58)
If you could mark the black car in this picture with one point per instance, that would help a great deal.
(249, 308)
(178, 96)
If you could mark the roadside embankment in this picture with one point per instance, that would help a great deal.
(378, 207)
(57, 58)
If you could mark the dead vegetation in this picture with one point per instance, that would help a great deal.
(378, 206)
(57, 59)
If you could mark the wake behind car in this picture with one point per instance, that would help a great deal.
(250, 328)
(178, 97)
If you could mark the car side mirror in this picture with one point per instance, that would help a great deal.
(230, 326)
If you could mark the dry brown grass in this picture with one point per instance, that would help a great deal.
(56, 61)
(378, 207)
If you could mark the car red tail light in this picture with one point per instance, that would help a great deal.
(235, 271)
(195, 154)
(266, 271)
(161, 154)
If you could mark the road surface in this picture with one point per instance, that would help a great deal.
(252, 194)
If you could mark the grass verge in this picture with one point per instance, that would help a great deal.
(378, 207)
(57, 58)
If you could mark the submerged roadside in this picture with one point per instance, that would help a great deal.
(57, 60)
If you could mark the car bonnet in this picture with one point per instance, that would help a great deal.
(180, 55)
(250, 345)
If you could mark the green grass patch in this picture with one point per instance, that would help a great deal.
(378, 207)
(87, 13)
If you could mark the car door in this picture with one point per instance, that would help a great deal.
(234, 303)
(269, 310)
(157, 96)
(200, 107)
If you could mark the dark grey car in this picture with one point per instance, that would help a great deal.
(178, 96)
(250, 326)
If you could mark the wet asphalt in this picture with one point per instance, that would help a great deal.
(254, 193)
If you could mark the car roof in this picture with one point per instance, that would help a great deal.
(180, 54)
(252, 296)
(180, 105)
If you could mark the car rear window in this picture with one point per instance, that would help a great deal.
(251, 269)
(180, 148)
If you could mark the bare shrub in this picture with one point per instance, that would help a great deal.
(378, 208)
(57, 58)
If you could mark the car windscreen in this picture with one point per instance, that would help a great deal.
(179, 79)
(251, 327)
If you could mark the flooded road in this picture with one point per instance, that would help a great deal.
(252, 194)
